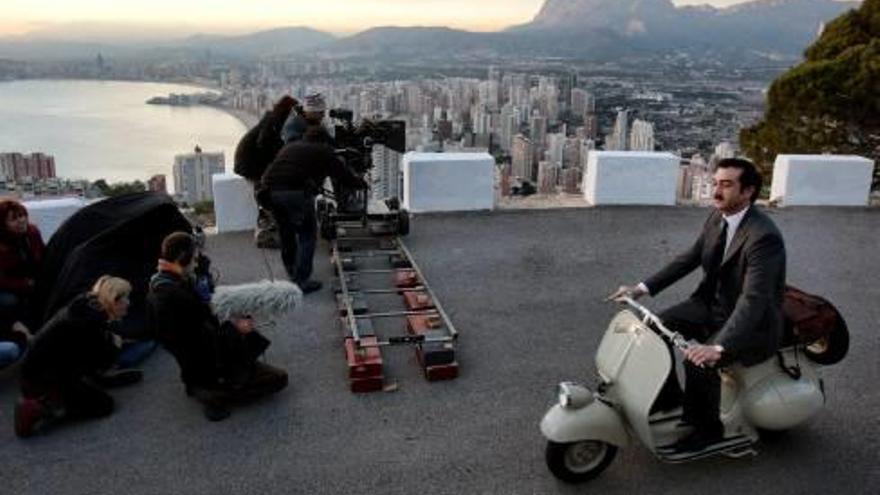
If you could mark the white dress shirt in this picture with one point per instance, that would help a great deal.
(733, 222)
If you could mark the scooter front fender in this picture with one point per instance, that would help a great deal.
(596, 421)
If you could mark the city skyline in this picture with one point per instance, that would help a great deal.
(117, 19)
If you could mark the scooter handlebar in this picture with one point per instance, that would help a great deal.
(648, 316)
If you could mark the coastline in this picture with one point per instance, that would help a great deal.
(247, 118)
(85, 155)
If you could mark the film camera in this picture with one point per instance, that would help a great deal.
(354, 145)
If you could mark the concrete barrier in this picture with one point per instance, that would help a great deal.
(49, 214)
(448, 182)
(631, 178)
(234, 206)
(821, 180)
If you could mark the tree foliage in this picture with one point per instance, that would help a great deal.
(203, 208)
(119, 188)
(830, 103)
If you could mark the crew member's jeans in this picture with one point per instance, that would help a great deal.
(702, 395)
(9, 353)
(134, 353)
(298, 226)
(12, 344)
(12, 309)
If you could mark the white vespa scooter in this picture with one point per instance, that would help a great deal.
(585, 429)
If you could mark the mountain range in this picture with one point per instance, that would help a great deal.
(584, 29)
(781, 26)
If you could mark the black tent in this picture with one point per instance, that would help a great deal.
(119, 236)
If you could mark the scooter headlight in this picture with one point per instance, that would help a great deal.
(573, 396)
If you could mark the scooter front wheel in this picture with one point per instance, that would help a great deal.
(577, 462)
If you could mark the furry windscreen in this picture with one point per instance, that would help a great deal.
(264, 300)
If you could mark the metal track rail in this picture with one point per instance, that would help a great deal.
(347, 295)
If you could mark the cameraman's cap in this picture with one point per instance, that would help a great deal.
(315, 103)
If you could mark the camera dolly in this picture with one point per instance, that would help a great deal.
(383, 297)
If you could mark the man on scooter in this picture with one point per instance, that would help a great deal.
(736, 312)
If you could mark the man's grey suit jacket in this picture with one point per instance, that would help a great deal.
(751, 283)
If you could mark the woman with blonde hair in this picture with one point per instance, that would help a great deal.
(74, 344)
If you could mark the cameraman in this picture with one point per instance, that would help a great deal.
(294, 180)
(312, 114)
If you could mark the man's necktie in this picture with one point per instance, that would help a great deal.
(720, 245)
(717, 258)
(715, 271)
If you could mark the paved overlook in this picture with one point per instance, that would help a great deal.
(525, 290)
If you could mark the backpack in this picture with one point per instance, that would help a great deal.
(247, 155)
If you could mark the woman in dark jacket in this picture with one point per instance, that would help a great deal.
(21, 251)
(72, 345)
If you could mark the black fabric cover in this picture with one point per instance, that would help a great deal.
(120, 236)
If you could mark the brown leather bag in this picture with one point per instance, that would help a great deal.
(810, 319)
(811, 316)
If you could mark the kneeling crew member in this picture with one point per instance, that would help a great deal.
(218, 362)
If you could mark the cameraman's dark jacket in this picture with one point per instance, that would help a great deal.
(304, 165)
(210, 354)
(258, 147)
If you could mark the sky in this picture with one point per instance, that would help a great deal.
(169, 17)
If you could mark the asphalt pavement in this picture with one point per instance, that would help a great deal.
(525, 290)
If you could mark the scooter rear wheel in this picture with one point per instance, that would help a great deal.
(577, 462)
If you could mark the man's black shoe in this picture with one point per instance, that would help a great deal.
(696, 441)
(310, 286)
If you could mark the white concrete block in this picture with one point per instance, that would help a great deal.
(49, 214)
(234, 206)
(448, 182)
(821, 180)
(631, 178)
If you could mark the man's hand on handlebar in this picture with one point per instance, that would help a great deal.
(704, 355)
(634, 292)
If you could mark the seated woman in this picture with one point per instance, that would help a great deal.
(74, 344)
(21, 251)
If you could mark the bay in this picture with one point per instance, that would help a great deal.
(105, 129)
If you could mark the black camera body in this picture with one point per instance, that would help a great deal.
(362, 137)
(354, 145)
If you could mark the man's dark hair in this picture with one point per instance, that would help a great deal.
(179, 248)
(749, 174)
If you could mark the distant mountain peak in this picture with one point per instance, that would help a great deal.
(624, 16)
